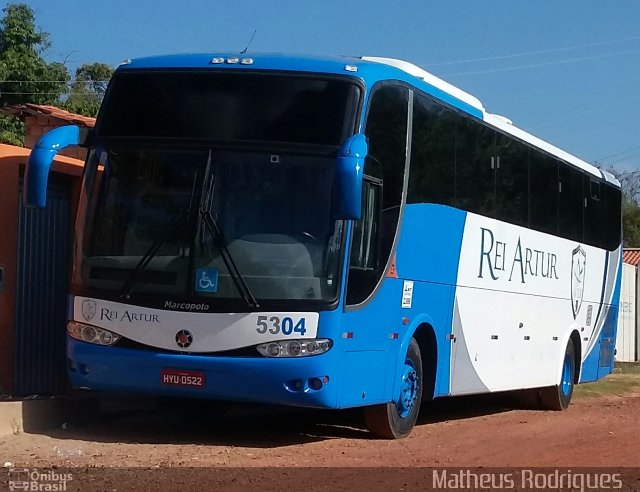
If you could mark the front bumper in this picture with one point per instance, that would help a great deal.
(284, 381)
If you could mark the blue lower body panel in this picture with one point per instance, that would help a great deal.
(250, 379)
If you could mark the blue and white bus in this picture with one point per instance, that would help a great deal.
(330, 233)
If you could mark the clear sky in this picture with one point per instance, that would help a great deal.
(567, 71)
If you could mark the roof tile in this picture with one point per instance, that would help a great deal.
(631, 256)
(51, 111)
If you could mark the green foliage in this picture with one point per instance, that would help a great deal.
(11, 130)
(24, 75)
(88, 89)
(630, 222)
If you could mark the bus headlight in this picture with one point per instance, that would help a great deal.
(91, 334)
(295, 348)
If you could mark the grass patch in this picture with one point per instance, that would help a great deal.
(624, 379)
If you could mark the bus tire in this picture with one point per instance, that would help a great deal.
(559, 397)
(395, 420)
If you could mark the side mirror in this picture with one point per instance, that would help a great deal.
(40, 160)
(348, 177)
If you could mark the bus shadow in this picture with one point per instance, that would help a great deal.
(251, 426)
(466, 407)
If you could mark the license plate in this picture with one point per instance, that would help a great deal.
(179, 377)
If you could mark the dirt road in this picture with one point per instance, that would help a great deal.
(467, 432)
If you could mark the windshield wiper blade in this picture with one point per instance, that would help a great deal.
(218, 237)
(181, 219)
(232, 268)
(178, 220)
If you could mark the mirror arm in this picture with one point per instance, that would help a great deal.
(40, 160)
(349, 172)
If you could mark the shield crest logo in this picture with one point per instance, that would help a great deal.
(578, 265)
(89, 307)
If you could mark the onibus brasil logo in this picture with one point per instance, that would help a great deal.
(38, 480)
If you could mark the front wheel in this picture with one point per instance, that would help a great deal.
(396, 419)
(559, 397)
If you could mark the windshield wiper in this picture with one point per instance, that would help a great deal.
(235, 274)
(177, 225)
(220, 241)
(178, 220)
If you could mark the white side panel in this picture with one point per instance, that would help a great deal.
(211, 332)
(520, 295)
(626, 339)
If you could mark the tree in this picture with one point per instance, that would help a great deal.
(630, 222)
(88, 88)
(24, 74)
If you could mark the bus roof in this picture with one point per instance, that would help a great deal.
(370, 70)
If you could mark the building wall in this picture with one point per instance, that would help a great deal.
(12, 161)
(627, 334)
(9, 175)
(38, 125)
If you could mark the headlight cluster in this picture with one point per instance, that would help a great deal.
(91, 334)
(295, 348)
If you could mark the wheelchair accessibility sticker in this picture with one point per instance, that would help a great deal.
(206, 280)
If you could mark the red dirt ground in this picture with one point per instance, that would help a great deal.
(461, 432)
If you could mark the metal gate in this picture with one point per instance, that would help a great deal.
(41, 295)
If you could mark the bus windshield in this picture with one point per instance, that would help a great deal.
(229, 107)
(145, 229)
(215, 185)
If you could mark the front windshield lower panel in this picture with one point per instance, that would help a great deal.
(274, 213)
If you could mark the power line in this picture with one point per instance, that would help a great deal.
(617, 154)
(546, 64)
(564, 118)
(529, 53)
(623, 158)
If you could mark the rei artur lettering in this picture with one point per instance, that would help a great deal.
(519, 262)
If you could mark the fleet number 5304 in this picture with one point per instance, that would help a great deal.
(276, 324)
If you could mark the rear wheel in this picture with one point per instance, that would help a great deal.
(559, 397)
(396, 419)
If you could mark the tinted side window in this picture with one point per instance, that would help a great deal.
(512, 181)
(571, 203)
(433, 152)
(364, 262)
(364, 244)
(613, 204)
(475, 177)
(543, 186)
(594, 213)
(386, 130)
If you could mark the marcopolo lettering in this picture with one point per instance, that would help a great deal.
(525, 262)
(128, 316)
(186, 306)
